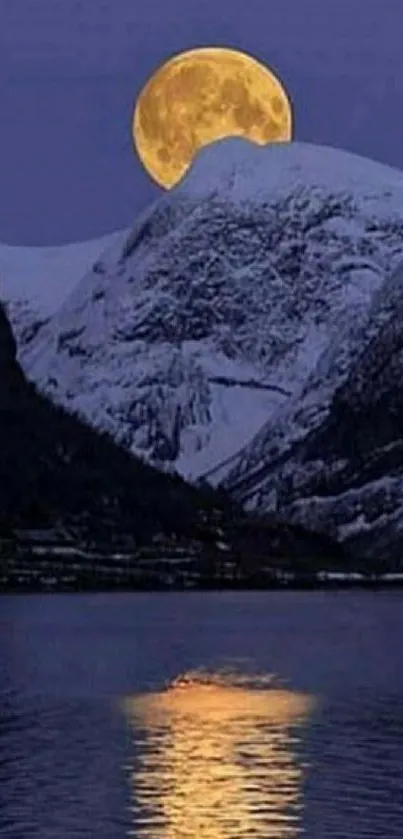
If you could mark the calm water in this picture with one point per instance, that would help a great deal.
(298, 731)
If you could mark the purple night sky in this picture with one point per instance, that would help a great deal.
(70, 71)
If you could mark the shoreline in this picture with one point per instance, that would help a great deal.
(295, 586)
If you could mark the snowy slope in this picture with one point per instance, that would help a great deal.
(34, 281)
(252, 173)
(345, 477)
(233, 309)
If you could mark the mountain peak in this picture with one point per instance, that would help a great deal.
(214, 337)
(253, 171)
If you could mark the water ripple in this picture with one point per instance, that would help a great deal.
(217, 752)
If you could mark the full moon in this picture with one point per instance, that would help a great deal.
(201, 96)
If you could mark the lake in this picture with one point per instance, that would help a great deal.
(195, 715)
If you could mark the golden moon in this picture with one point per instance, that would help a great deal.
(201, 96)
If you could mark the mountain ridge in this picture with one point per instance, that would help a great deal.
(262, 266)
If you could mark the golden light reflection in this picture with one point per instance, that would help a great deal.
(217, 762)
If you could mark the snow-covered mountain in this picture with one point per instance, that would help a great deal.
(214, 338)
(34, 281)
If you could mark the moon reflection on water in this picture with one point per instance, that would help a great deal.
(217, 761)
